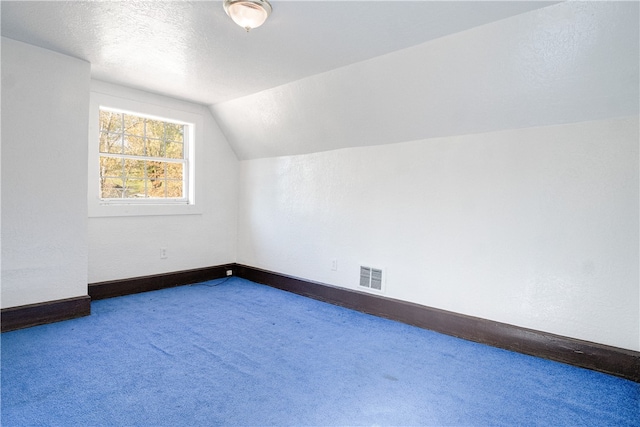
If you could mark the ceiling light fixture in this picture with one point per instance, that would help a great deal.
(248, 14)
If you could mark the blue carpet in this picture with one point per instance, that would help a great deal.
(237, 353)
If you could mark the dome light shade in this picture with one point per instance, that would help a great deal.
(248, 14)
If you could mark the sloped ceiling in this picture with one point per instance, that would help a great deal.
(192, 50)
(331, 74)
(565, 63)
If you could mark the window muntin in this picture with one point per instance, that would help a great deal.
(142, 158)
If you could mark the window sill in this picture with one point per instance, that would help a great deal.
(98, 210)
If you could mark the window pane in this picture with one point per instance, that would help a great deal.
(174, 150)
(155, 170)
(111, 188)
(134, 188)
(110, 121)
(110, 167)
(134, 145)
(155, 147)
(156, 188)
(110, 143)
(134, 168)
(174, 188)
(128, 143)
(174, 171)
(174, 132)
(155, 129)
(133, 125)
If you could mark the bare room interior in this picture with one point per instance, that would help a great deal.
(449, 170)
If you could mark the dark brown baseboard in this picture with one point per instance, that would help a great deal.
(116, 288)
(25, 316)
(599, 357)
(611, 360)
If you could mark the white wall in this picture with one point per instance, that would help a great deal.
(45, 101)
(50, 250)
(535, 227)
(129, 246)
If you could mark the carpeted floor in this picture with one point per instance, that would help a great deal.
(232, 352)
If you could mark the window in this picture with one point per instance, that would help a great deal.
(142, 158)
(142, 154)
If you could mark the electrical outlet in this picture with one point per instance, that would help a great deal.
(163, 253)
(229, 272)
(334, 265)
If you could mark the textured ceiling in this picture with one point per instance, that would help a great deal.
(570, 62)
(193, 51)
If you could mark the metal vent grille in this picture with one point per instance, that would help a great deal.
(365, 276)
(371, 278)
(376, 279)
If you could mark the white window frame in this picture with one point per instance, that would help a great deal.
(150, 206)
